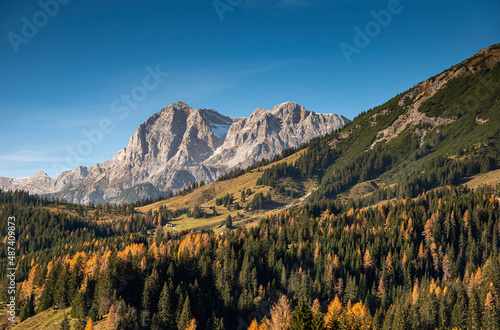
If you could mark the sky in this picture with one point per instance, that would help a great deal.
(78, 77)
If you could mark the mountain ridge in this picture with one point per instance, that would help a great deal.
(416, 140)
(179, 145)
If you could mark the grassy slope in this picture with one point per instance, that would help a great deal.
(49, 319)
(491, 178)
(206, 196)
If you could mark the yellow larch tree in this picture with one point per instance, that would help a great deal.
(332, 317)
(191, 325)
(254, 325)
(367, 260)
(90, 325)
(111, 321)
(281, 315)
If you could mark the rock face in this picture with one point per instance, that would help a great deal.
(180, 145)
(266, 133)
(423, 91)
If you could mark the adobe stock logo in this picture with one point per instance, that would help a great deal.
(222, 7)
(30, 28)
(372, 29)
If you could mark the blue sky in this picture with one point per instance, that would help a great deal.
(64, 70)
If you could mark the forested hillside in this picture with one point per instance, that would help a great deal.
(424, 138)
(420, 263)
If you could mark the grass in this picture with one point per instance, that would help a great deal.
(4, 322)
(362, 189)
(489, 178)
(103, 218)
(49, 319)
(206, 196)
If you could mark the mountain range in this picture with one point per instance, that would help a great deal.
(180, 145)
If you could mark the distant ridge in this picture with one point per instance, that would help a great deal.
(179, 145)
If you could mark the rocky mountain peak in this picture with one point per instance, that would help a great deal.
(41, 175)
(179, 145)
(288, 107)
(290, 111)
(176, 107)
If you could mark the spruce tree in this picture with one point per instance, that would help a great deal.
(459, 312)
(47, 299)
(61, 289)
(185, 316)
(28, 309)
(78, 306)
(302, 317)
(166, 317)
(150, 293)
(475, 311)
(229, 221)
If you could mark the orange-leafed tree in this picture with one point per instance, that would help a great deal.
(254, 325)
(191, 325)
(367, 260)
(281, 315)
(332, 317)
(111, 322)
(90, 325)
(359, 317)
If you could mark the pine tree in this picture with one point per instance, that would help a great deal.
(301, 317)
(166, 315)
(151, 291)
(28, 309)
(185, 316)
